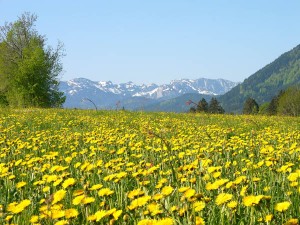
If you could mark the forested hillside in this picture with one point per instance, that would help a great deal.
(265, 83)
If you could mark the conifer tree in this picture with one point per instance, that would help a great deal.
(202, 106)
(215, 107)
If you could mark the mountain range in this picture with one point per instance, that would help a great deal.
(263, 85)
(83, 93)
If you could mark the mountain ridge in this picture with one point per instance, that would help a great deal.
(106, 94)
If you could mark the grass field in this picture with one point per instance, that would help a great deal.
(114, 167)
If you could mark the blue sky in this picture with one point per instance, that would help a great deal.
(156, 41)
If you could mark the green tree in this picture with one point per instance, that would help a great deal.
(192, 109)
(202, 106)
(250, 106)
(289, 102)
(28, 68)
(273, 106)
(263, 108)
(215, 107)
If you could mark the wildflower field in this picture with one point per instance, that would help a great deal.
(114, 167)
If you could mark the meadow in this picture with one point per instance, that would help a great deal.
(117, 167)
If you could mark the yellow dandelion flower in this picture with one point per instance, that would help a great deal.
(240, 179)
(68, 182)
(165, 221)
(292, 222)
(71, 213)
(46, 189)
(56, 214)
(141, 201)
(221, 182)
(167, 190)
(232, 204)
(256, 179)
(91, 218)
(77, 200)
(62, 222)
(34, 219)
(199, 221)
(282, 206)
(193, 180)
(230, 184)
(146, 222)
(209, 186)
(111, 211)
(267, 188)
(174, 208)
(206, 177)
(11, 177)
(8, 218)
(189, 193)
(183, 189)
(105, 192)
(137, 192)
(17, 208)
(252, 200)
(57, 182)
(216, 174)
(100, 214)
(157, 197)
(145, 182)
(293, 177)
(117, 214)
(268, 218)
(96, 187)
(21, 184)
(154, 209)
(223, 198)
(58, 196)
(243, 190)
(198, 206)
(78, 192)
(212, 169)
(87, 200)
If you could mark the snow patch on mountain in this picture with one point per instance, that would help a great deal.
(106, 92)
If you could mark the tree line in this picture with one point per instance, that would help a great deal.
(29, 69)
(213, 106)
(286, 102)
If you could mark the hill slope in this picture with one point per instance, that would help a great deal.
(265, 83)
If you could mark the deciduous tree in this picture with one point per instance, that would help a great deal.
(250, 106)
(29, 69)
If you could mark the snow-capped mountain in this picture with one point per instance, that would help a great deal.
(105, 94)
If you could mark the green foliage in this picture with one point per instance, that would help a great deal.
(215, 107)
(265, 83)
(193, 109)
(202, 106)
(273, 105)
(263, 109)
(289, 102)
(250, 106)
(28, 69)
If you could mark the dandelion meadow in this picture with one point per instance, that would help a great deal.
(116, 167)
